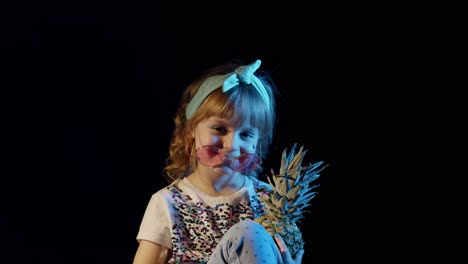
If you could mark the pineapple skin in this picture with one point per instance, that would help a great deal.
(289, 231)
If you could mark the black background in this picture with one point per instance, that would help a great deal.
(90, 90)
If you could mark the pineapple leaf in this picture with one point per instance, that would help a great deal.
(293, 193)
(284, 162)
(316, 165)
(295, 164)
(272, 186)
(306, 198)
(268, 203)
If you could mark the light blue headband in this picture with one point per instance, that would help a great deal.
(243, 74)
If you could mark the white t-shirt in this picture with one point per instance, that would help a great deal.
(191, 223)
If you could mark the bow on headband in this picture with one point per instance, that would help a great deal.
(228, 81)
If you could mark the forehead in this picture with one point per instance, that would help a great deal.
(228, 122)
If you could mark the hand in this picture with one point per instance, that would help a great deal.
(285, 254)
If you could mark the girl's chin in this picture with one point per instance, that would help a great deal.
(223, 169)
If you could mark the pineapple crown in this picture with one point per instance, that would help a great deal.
(292, 189)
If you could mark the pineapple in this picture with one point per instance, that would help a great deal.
(289, 196)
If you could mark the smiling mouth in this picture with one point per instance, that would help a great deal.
(241, 163)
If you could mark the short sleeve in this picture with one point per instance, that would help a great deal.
(155, 225)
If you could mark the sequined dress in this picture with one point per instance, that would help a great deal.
(192, 223)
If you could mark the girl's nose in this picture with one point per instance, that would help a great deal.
(230, 144)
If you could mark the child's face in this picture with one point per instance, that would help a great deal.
(231, 140)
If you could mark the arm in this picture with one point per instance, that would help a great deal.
(151, 253)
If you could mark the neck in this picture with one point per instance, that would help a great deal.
(217, 185)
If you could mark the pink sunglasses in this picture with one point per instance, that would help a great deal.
(211, 156)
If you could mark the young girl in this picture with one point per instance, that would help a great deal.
(223, 130)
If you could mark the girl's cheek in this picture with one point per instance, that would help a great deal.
(203, 140)
(212, 140)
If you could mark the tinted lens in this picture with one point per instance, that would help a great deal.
(209, 156)
(247, 161)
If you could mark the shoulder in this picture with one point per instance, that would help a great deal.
(165, 192)
(179, 190)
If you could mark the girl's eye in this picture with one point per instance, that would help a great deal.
(219, 129)
(248, 134)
